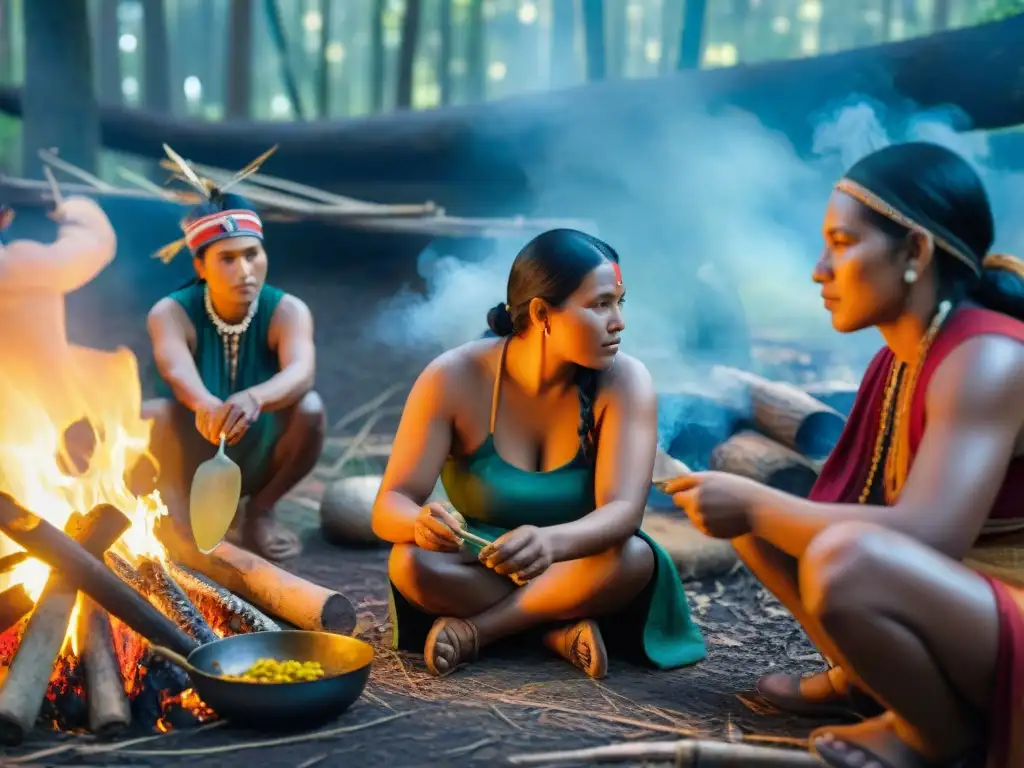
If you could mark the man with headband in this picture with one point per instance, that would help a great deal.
(235, 356)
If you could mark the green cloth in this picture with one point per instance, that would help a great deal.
(256, 364)
(495, 496)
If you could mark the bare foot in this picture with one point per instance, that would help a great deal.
(581, 645)
(874, 743)
(451, 643)
(265, 536)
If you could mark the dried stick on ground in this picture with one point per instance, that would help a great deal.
(706, 754)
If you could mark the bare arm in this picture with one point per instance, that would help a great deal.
(975, 415)
(625, 461)
(85, 245)
(168, 328)
(291, 334)
(421, 446)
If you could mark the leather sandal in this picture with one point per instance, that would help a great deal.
(581, 645)
(816, 696)
(874, 743)
(459, 636)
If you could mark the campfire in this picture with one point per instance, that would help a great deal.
(85, 584)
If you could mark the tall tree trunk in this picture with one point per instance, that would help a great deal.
(323, 70)
(476, 54)
(407, 53)
(691, 37)
(593, 34)
(59, 101)
(238, 103)
(377, 56)
(444, 55)
(108, 53)
(7, 42)
(940, 15)
(156, 58)
(563, 45)
(671, 22)
(888, 7)
(741, 18)
(616, 38)
(278, 36)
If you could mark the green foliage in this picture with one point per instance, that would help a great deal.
(1002, 9)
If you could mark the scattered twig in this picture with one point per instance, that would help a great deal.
(502, 716)
(264, 744)
(51, 158)
(368, 425)
(707, 754)
(313, 761)
(368, 407)
(95, 749)
(459, 751)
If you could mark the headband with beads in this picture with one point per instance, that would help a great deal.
(216, 226)
(862, 194)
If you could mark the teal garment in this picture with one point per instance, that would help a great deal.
(495, 497)
(256, 364)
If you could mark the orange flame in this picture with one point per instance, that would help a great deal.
(102, 388)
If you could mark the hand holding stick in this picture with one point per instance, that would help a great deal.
(466, 535)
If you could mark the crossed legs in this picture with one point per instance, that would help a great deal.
(481, 607)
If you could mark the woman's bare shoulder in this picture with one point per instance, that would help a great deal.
(463, 366)
(627, 381)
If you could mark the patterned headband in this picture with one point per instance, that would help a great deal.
(864, 195)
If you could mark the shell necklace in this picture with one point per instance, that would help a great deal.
(230, 335)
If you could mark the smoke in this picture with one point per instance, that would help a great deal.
(717, 222)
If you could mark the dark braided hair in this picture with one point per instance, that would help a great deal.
(551, 267)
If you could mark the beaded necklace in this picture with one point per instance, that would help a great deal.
(230, 335)
(896, 403)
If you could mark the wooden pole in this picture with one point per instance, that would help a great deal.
(706, 754)
(760, 458)
(24, 688)
(299, 602)
(109, 709)
(90, 575)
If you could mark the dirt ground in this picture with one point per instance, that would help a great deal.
(506, 704)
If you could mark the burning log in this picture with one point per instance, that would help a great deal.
(10, 562)
(24, 688)
(758, 457)
(166, 595)
(213, 600)
(14, 605)
(299, 602)
(127, 573)
(90, 575)
(791, 416)
(109, 710)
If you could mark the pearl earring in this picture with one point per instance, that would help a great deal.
(910, 276)
(547, 330)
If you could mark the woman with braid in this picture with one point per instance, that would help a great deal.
(544, 439)
(928, 472)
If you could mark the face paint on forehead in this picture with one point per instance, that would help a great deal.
(618, 273)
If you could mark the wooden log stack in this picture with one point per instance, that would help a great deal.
(122, 608)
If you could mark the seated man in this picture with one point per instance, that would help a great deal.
(235, 356)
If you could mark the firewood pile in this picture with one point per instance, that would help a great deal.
(77, 657)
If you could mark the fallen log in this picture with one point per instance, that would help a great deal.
(971, 69)
(789, 415)
(299, 602)
(90, 575)
(212, 599)
(166, 595)
(760, 458)
(690, 752)
(24, 688)
(14, 605)
(109, 709)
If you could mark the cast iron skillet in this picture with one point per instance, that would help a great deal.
(346, 662)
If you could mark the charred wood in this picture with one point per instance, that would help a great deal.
(236, 615)
(15, 604)
(24, 689)
(108, 706)
(127, 572)
(90, 575)
(166, 595)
